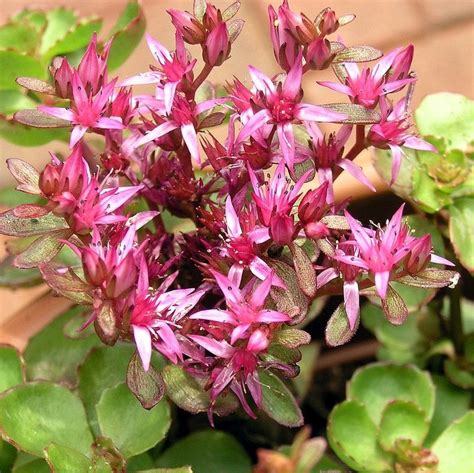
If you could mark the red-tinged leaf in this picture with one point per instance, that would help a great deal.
(326, 247)
(340, 72)
(25, 174)
(305, 271)
(36, 85)
(42, 250)
(30, 211)
(291, 300)
(234, 27)
(147, 386)
(432, 277)
(394, 307)
(214, 119)
(356, 114)
(358, 54)
(106, 325)
(38, 119)
(230, 11)
(336, 222)
(12, 225)
(338, 331)
(199, 8)
(292, 337)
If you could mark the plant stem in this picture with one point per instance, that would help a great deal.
(206, 70)
(455, 319)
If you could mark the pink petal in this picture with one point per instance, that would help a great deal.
(151, 77)
(228, 288)
(259, 235)
(109, 123)
(292, 85)
(396, 162)
(235, 273)
(169, 91)
(232, 220)
(159, 131)
(417, 143)
(169, 339)
(440, 260)
(222, 348)
(326, 276)
(261, 292)
(307, 112)
(161, 54)
(259, 268)
(261, 81)
(344, 89)
(381, 283)
(271, 316)
(213, 314)
(76, 135)
(57, 112)
(190, 138)
(356, 171)
(143, 341)
(351, 302)
(287, 143)
(254, 123)
(238, 332)
(359, 233)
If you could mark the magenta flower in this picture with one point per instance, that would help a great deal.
(280, 106)
(366, 86)
(175, 68)
(217, 46)
(245, 309)
(87, 111)
(392, 132)
(188, 27)
(157, 314)
(241, 246)
(327, 154)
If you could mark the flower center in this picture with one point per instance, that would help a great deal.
(241, 249)
(283, 110)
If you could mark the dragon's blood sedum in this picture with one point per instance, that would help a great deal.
(264, 236)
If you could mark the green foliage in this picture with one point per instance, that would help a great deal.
(11, 367)
(207, 451)
(391, 421)
(32, 39)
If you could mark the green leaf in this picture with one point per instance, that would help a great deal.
(34, 466)
(59, 21)
(426, 194)
(65, 459)
(338, 330)
(184, 469)
(451, 404)
(13, 100)
(7, 456)
(103, 368)
(12, 225)
(207, 451)
(11, 367)
(33, 415)
(448, 115)
(353, 436)
(53, 357)
(307, 366)
(356, 114)
(454, 446)
(377, 384)
(127, 33)
(144, 428)
(421, 226)
(76, 38)
(459, 374)
(461, 229)
(402, 420)
(278, 402)
(19, 37)
(35, 18)
(10, 197)
(23, 135)
(305, 271)
(13, 277)
(147, 386)
(394, 307)
(14, 64)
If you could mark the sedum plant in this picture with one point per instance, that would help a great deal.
(195, 262)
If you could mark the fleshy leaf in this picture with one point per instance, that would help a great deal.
(18, 37)
(234, 27)
(11, 367)
(448, 115)
(461, 230)
(406, 383)
(61, 458)
(13, 277)
(127, 33)
(278, 402)
(105, 324)
(14, 100)
(144, 428)
(59, 21)
(25, 174)
(338, 330)
(304, 380)
(36, 85)
(147, 386)
(352, 434)
(402, 420)
(394, 307)
(454, 446)
(39, 119)
(33, 415)
(199, 8)
(195, 450)
(14, 64)
(432, 277)
(292, 337)
(358, 54)
(45, 349)
(12, 225)
(305, 271)
(356, 114)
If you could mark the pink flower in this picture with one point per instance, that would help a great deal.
(157, 314)
(366, 86)
(241, 246)
(392, 132)
(216, 48)
(87, 111)
(188, 27)
(312, 208)
(245, 309)
(280, 106)
(176, 67)
(327, 154)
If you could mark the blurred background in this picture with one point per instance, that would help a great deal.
(441, 30)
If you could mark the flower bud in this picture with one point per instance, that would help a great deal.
(217, 47)
(316, 230)
(420, 255)
(62, 76)
(401, 65)
(256, 155)
(212, 17)
(95, 271)
(282, 229)
(300, 26)
(88, 69)
(49, 180)
(328, 23)
(313, 205)
(188, 26)
(319, 55)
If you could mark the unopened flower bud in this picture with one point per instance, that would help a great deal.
(420, 255)
(282, 229)
(313, 205)
(401, 65)
(316, 230)
(49, 180)
(319, 55)
(257, 155)
(188, 26)
(212, 17)
(217, 47)
(95, 271)
(62, 75)
(300, 26)
(328, 23)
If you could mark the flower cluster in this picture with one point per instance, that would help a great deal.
(261, 236)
